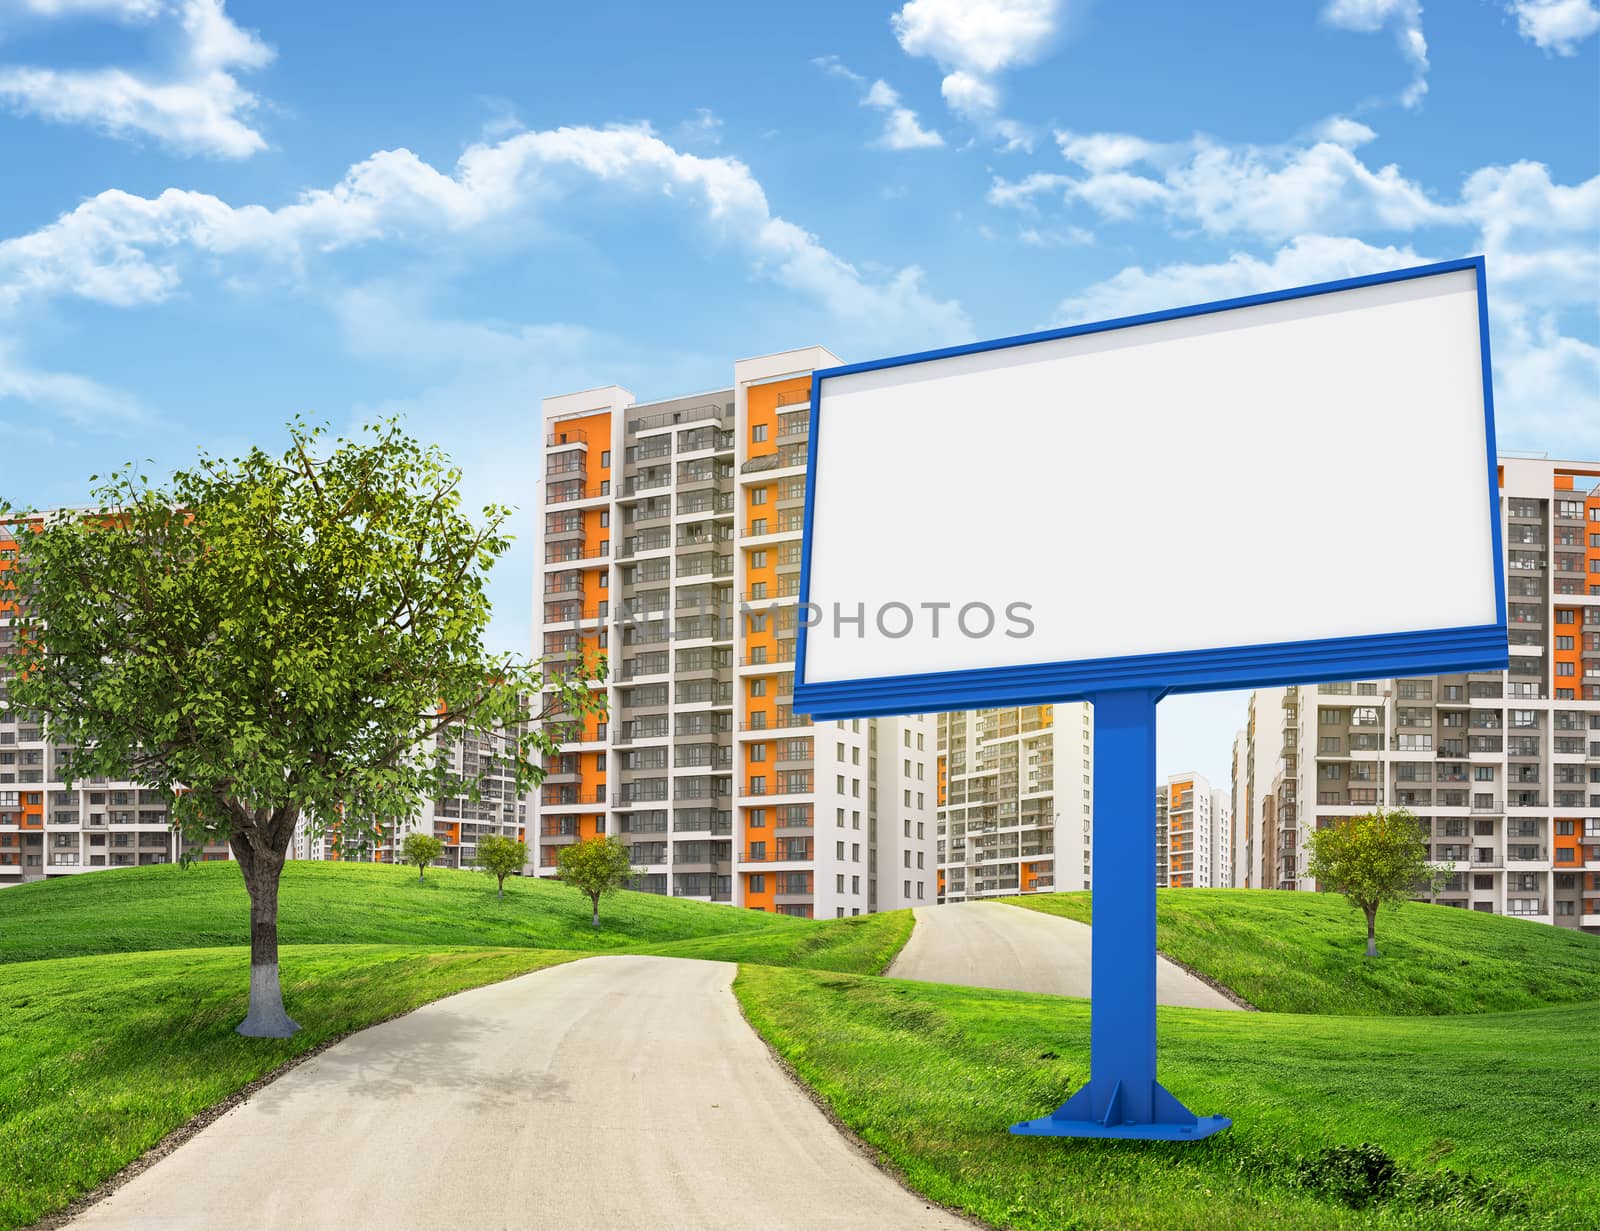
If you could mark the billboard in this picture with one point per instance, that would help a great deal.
(1283, 488)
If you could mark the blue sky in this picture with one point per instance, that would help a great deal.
(212, 217)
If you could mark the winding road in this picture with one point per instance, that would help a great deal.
(607, 1092)
(990, 944)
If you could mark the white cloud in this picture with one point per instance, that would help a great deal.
(83, 403)
(901, 128)
(901, 131)
(974, 41)
(198, 107)
(1405, 17)
(1555, 25)
(122, 249)
(1100, 152)
(1341, 130)
(968, 95)
(1306, 259)
(1020, 194)
(1271, 191)
(984, 36)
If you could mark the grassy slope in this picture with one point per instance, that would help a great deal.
(1302, 953)
(169, 907)
(100, 1057)
(119, 991)
(933, 1075)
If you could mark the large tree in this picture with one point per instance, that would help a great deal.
(281, 639)
(1374, 859)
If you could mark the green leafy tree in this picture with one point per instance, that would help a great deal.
(277, 640)
(595, 867)
(1373, 859)
(501, 857)
(421, 849)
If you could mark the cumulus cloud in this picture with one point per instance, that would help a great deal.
(122, 249)
(902, 130)
(1404, 17)
(974, 41)
(1272, 191)
(1555, 25)
(196, 107)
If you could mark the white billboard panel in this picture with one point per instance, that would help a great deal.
(1295, 486)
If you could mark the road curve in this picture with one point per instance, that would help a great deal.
(990, 944)
(608, 1092)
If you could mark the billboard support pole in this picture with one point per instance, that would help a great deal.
(1123, 1097)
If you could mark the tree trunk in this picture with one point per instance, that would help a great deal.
(420, 868)
(1372, 921)
(502, 893)
(594, 900)
(266, 1019)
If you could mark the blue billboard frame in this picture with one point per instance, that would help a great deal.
(1122, 1098)
(1424, 651)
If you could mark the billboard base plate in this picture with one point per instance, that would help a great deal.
(1166, 1120)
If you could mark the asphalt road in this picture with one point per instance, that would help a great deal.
(990, 944)
(609, 1092)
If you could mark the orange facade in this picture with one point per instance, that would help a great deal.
(758, 634)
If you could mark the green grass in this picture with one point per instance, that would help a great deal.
(1302, 953)
(119, 991)
(169, 907)
(862, 945)
(100, 1057)
(1493, 1119)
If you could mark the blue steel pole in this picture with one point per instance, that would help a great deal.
(1123, 1098)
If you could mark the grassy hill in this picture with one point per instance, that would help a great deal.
(1479, 1121)
(119, 991)
(1302, 952)
(169, 907)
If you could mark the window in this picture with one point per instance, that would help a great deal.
(758, 495)
(1565, 828)
(758, 688)
(758, 818)
(605, 459)
(838, 885)
(758, 432)
(758, 882)
(758, 752)
(758, 526)
(839, 817)
(758, 559)
(855, 852)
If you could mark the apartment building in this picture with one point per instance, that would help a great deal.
(1014, 817)
(458, 822)
(1502, 767)
(670, 542)
(1197, 833)
(1163, 866)
(46, 828)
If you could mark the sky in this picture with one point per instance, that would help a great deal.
(216, 216)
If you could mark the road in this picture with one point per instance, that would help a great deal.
(608, 1092)
(990, 944)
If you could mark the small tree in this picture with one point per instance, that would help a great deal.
(1372, 859)
(421, 849)
(501, 857)
(595, 866)
(271, 639)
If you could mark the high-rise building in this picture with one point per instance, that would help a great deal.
(670, 542)
(1197, 833)
(1502, 767)
(46, 828)
(1163, 867)
(1015, 802)
(458, 822)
